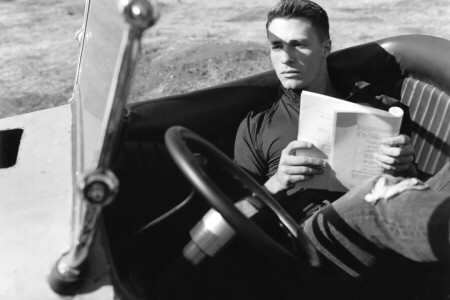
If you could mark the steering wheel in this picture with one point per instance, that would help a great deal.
(178, 138)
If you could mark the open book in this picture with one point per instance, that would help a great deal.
(346, 135)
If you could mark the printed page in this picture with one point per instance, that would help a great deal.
(317, 125)
(357, 138)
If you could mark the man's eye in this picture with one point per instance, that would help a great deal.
(300, 45)
(275, 47)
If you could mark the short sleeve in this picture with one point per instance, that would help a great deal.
(247, 149)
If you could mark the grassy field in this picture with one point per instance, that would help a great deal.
(197, 43)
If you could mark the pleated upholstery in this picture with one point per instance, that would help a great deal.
(430, 113)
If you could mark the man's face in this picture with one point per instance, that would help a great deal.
(297, 53)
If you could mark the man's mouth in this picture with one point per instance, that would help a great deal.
(290, 73)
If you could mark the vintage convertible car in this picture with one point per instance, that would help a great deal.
(144, 177)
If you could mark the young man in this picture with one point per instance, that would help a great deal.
(298, 34)
(352, 231)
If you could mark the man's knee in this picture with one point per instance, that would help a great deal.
(402, 215)
(441, 181)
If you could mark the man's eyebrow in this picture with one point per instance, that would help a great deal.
(275, 41)
(290, 42)
(299, 40)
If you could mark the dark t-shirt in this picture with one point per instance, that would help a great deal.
(264, 133)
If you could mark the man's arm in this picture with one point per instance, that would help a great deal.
(246, 150)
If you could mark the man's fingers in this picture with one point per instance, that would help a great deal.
(396, 154)
(297, 178)
(293, 160)
(394, 161)
(397, 141)
(397, 167)
(396, 151)
(303, 170)
(295, 145)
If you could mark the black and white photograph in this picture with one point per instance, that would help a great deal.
(224, 149)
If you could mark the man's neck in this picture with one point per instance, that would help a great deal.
(323, 85)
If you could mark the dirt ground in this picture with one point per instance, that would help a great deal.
(196, 43)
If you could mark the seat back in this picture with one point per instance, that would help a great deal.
(430, 112)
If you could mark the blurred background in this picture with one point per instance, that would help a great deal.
(196, 43)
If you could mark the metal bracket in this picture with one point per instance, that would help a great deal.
(99, 187)
(140, 14)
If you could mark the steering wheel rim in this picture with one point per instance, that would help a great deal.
(177, 138)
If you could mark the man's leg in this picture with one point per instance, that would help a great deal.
(441, 181)
(353, 232)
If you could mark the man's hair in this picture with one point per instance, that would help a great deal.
(291, 9)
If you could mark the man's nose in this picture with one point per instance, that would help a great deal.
(286, 57)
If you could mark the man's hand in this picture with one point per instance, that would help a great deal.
(396, 155)
(293, 169)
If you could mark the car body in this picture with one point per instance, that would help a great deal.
(119, 212)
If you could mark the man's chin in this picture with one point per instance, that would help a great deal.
(292, 84)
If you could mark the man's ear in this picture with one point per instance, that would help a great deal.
(326, 48)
